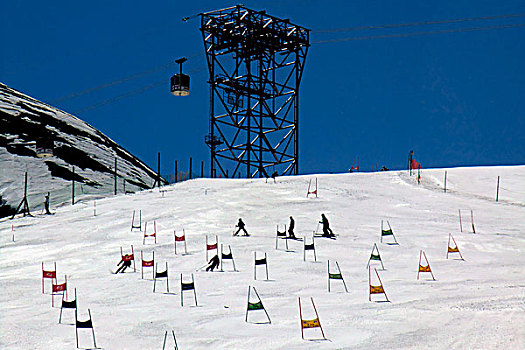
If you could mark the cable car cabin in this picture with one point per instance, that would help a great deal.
(180, 85)
(44, 147)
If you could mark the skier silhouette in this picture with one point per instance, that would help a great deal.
(241, 226)
(126, 262)
(327, 231)
(46, 204)
(214, 263)
(291, 234)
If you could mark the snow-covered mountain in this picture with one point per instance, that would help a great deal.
(25, 122)
(476, 303)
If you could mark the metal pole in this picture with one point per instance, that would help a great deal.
(25, 185)
(158, 167)
(73, 188)
(189, 175)
(497, 191)
(176, 171)
(115, 176)
(202, 168)
(296, 113)
(445, 188)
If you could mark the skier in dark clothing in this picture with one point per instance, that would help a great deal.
(214, 263)
(291, 234)
(241, 226)
(126, 262)
(327, 231)
(274, 175)
(46, 204)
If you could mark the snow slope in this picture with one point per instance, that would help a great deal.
(478, 303)
(23, 120)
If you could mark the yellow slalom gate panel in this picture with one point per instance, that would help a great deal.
(310, 323)
(424, 268)
(376, 289)
(453, 250)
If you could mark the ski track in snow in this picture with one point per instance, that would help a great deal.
(478, 303)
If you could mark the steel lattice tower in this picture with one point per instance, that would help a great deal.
(255, 63)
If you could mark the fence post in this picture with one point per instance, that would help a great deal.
(189, 175)
(73, 188)
(176, 171)
(497, 191)
(115, 176)
(202, 168)
(158, 168)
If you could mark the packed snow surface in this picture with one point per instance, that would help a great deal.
(478, 303)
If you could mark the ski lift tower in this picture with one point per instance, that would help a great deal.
(255, 62)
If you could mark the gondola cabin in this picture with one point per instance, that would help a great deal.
(180, 83)
(44, 147)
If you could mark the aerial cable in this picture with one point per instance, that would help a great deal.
(403, 35)
(412, 24)
(166, 66)
(116, 82)
(129, 94)
(120, 81)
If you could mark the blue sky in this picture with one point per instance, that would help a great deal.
(454, 98)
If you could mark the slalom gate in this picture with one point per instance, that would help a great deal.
(471, 220)
(454, 249)
(228, 256)
(186, 287)
(161, 274)
(308, 324)
(309, 247)
(71, 304)
(175, 346)
(135, 226)
(375, 257)
(388, 232)
(281, 236)
(313, 191)
(254, 306)
(48, 274)
(147, 263)
(258, 262)
(375, 289)
(85, 325)
(214, 246)
(152, 235)
(424, 268)
(130, 257)
(335, 276)
(180, 239)
(58, 289)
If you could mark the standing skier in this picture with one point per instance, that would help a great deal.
(46, 204)
(327, 231)
(291, 234)
(241, 226)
